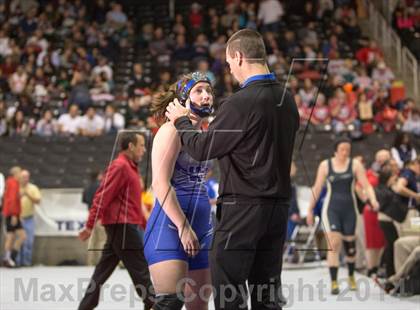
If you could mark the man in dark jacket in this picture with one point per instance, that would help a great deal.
(252, 135)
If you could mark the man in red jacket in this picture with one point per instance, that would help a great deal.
(15, 234)
(117, 204)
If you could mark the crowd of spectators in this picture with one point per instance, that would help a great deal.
(406, 21)
(67, 51)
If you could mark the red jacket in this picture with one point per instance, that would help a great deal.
(11, 198)
(118, 198)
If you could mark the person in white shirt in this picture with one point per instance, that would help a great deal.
(103, 66)
(114, 121)
(69, 123)
(47, 125)
(383, 74)
(91, 124)
(270, 14)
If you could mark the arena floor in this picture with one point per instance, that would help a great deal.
(44, 288)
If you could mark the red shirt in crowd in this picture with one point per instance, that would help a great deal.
(118, 198)
(11, 198)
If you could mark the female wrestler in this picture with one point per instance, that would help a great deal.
(339, 211)
(179, 231)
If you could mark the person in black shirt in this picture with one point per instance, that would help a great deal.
(252, 136)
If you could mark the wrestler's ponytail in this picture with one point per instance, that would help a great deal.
(160, 101)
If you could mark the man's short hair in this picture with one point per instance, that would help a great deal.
(128, 137)
(250, 43)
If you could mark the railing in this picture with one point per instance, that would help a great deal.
(386, 7)
(399, 58)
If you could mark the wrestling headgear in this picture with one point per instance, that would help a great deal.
(183, 89)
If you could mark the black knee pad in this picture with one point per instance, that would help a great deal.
(169, 302)
(350, 248)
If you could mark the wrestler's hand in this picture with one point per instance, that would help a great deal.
(175, 110)
(85, 234)
(310, 218)
(14, 220)
(189, 240)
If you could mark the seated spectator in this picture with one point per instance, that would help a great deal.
(352, 32)
(405, 109)
(402, 150)
(138, 81)
(365, 108)
(289, 45)
(369, 55)
(218, 46)
(270, 13)
(385, 114)
(8, 67)
(308, 93)
(383, 74)
(407, 184)
(412, 123)
(18, 81)
(362, 80)
(38, 41)
(203, 67)
(113, 120)
(68, 123)
(407, 265)
(230, 16)
(159, 47)
(91, 124)
(201, 47)
(404, 22)
(343, 114)
(182, 50)
(321, 115)
(308, 36)
(179, 26)
(101, 90)
(47, 126)
(80, 94)
(137, 112)
(325, 8)
(304, 111)
(164, 82)
(103, 67)
(309, 12)
(116, 18)
(293, 86)
(196, 17)
(19, 125)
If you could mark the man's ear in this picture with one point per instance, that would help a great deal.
(238, 57)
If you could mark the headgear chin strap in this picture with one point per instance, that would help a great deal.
(183, 89)
(201, 111)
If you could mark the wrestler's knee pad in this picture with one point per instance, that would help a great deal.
(350, 248)
(169, 302)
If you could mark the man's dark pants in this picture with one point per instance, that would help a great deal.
(123, 243)
(248, 245)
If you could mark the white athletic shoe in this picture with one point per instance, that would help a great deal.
(9, 263)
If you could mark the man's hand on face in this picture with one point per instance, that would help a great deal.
(175, 110)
